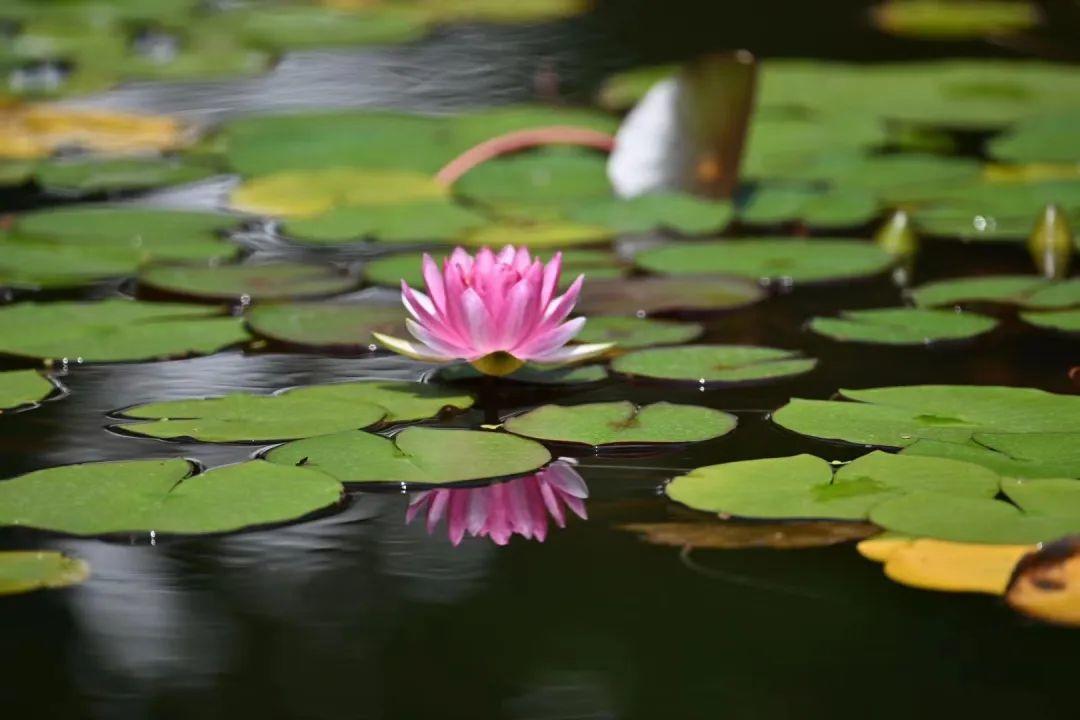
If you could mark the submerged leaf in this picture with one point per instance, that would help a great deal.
(737, 535)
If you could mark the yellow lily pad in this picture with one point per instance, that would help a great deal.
(301, 193)
(39, 130)
(947, 566)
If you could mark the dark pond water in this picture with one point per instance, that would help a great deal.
(357, 614)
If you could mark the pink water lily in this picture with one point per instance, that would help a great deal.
(517, 507)
(497, 311)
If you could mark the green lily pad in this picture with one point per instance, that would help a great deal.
(1061, 294)
(555, 177)
(955, 19)
(803, 486)
(633, 332)
(114, 330)
(265, 144)
(243, 283)
(890, 178)
(297, 413)
(407, 222)
(163, 496)
(899, 416)
(1018, 454)
(151, 234)
(1056, 512)
(297, 27)
(1010, 289)
(647, 296)
(112, 174)
(334, 326)
(623, 90)
(1040, 139)
(496, 11)
(416, 455)
(1067, 321)
(995, 211)
(16, 172)
(780, 259)
(684, 213)
(23, 387)
(538, 236)
(835, 208)
(528, 374)
(26, 570)
(902, 326)
(620, 423)
(709, 364)
(37, 264)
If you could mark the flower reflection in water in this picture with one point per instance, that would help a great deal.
(500, 511)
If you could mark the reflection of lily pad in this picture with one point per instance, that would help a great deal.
(115, 330)
(1046, 509)
(312, 192)
(1015, 454)
(902, 326)
(425, 456)
(326, 325)
(297, 413)
(1067, 321)
(803, 486)
(151, 233)
(786, 259)
(646, 296)
(106, 175)
(708, 364)
(407, 222)
(633, 332)
(685, 213)
(898, 416)
(617, 423)
(271, 281)
(23, 387)
(23, 571)
(162, 496)
(529, 374)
